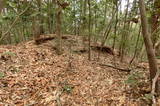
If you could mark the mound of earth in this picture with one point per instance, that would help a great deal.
(34, 75)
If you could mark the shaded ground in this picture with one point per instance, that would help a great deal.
(35, 75)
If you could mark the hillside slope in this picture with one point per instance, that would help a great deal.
(35, 75)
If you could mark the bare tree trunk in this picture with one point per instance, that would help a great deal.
(40, 17)
(84, 20)
(49, 16)
(58, 30)
(108, 29)
(89, 30)
(115, 27)
(35, 30)
(124, 36)
(1, 6)
(105, 12)
(148, 44)
(75, 21)
(80, 21)
(136, 46)
(155, 20)
(60, 7)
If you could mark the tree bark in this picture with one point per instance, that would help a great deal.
(40, 17)
(58, 30)
(155, 20)
(89, 30)
(1, 6)
(122, 48)
(115, 27)
(148, 44)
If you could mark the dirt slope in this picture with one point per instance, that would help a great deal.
(35, 75)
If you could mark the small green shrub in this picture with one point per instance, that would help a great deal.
(147, 98)
(2, 75)
(9, 53)
(134, 79)
(67, 88)
(13, 69)
(158, 57)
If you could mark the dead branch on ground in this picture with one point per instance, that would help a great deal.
(121, 69)
(45, 38)
(106, 49)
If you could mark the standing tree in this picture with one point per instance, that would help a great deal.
(155, 16)
(122, 48)
(148, 44)
(1, 6)
(41, 29)
(61, 6)
(89, 31)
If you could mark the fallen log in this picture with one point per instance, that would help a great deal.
(80, 51)
(44, 38)
(120, 69)
(106, 49)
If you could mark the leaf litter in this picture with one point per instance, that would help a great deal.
(34, 75)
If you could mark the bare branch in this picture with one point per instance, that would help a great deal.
(12, 25)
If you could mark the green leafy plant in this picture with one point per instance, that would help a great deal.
(67, 88)
(2, 75)
(147, 98)
(134, 79)
(13, 69)
(11, 4)
(158, 57)
(9, 53)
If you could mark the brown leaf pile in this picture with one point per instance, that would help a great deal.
(35, 75)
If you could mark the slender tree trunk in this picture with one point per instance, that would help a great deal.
(75, 21)
(124, 37)
(148, 44)
(95, 26)
(80, 19)
(1, 6)
(35, 30)
(136, 46)
(155, 20)
(105, 12)
(115, 27)
(84, 18)
(40, 17)
(89, 30)
(58, 30)
(108, 28)
(49, 16)
(53, 19)
(95, 21)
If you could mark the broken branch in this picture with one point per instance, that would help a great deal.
(121, 69)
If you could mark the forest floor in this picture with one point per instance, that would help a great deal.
(34, 75)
